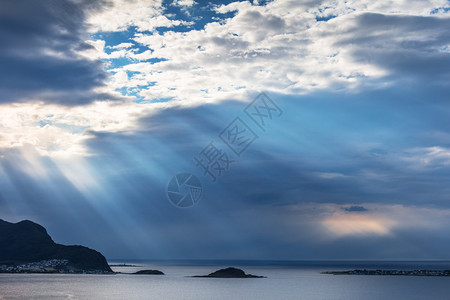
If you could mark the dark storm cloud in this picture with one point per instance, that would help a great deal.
(293, 163)
(409, 47)
(38, 41)
(355, 208)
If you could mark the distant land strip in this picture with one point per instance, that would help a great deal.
(392, 272)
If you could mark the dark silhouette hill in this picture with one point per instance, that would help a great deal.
(26, 241)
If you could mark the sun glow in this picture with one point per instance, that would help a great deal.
(342, 224)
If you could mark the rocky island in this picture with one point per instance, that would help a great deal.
(229, 273)
(148, 272)
(26, 247)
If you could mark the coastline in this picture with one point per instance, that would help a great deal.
(51, 266)
(368, 268)
(441, 273)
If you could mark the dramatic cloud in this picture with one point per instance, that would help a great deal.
(54, 130)
(103, 102)
(39, 41)
(286, 47)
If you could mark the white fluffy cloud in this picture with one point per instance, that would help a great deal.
(121, 14)
(58, 131)
(281, 47)
(184, 2)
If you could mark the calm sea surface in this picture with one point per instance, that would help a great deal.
(286, 280)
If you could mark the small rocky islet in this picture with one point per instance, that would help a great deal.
(229, 273)
(147, 272)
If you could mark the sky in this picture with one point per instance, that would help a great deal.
(306, 129)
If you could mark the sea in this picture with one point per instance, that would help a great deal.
(285, 280)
